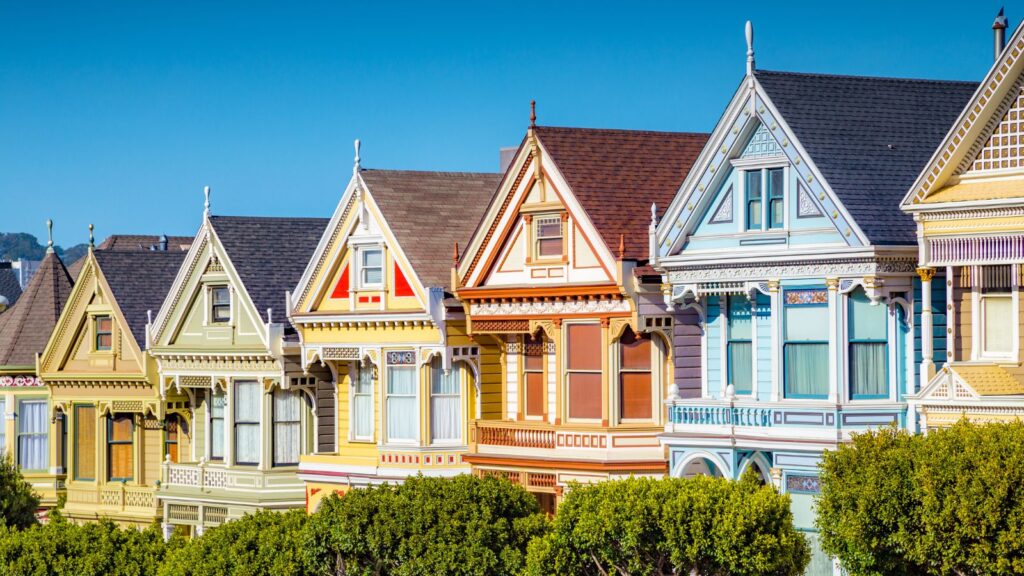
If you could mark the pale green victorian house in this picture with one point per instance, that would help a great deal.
(223, 339)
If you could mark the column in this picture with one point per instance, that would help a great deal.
(927, 327)
(559, 371)
(775, 316)
(834, 392)
(605, 369)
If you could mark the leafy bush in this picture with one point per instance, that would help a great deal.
(262, 543)
(18, 503)
(642, 526)
(951, 502)
(463, 525)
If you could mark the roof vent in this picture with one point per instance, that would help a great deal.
(999, 33)
(163, 242)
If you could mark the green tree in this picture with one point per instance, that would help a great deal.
(18, 503)
(647, 527)
(462, 525)
(264, 543)
(951, 502)
(59, 548)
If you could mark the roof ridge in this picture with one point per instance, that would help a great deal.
(622, 130)
(434, 172)
(240, 217)
(865, 77)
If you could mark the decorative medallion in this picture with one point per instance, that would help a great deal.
(803, 484)
(724, 212)
(806, 206)
(401, 358)
(806, 297)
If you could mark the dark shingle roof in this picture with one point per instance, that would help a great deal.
(870, 137)
(617, 174)
(140, 280)
(123, 242)
(10, 287)
(25, 327)
(429, 212)
(269, 254)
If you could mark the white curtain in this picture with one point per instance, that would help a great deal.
(362, 398)
(287, 427)
(217, 426)
(867, 369)
(445, 405)
(32, 428)
(247, 422)
(401, 403)
(806, 369)
(999, 324)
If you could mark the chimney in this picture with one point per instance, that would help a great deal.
(163, 242)
(505, 157)
(999, 33)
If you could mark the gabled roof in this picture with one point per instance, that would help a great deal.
(139, 280)
(269, 255)
(989, 380)
(869, 137)
(428, 212)
(617, 174)
(25, 327)
(135, 242)
(10, 287)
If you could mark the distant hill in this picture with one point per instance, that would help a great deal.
(15, 245)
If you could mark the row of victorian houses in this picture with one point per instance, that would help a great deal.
(840, 253)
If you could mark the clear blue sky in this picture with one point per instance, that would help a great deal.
(119, 113)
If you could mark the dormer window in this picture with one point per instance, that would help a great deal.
(371, 268)
(220, 305)
(548, 236)
(765, 196)
(104, 333)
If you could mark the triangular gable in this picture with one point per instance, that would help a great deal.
(750, 130)
(535, 204)
(946, 386)
(978, 144)
(184, 318)
(71, 350)
(332, 283)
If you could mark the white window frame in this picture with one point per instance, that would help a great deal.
(462, 385)
(359, 267)
(978, 352)
(210, 422)
(759, 164)
(417, 386)
(358, 369)
(537, 219)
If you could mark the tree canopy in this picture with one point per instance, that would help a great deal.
(18, 503)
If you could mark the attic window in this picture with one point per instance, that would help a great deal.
(371, 267)
(549, 236)
(220, 304)
(104, 333)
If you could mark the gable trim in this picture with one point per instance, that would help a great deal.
(323, 247)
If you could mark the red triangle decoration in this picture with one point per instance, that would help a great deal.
(402, 287)
(341, 290)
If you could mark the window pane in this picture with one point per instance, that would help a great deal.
(85, 443)
(867, 322)
(372, 258)
(754, 214)
(806, 368)
(441, 383)
(120, 461)
(549, 227)
(103, 324)
(363, 381)
(999, 324)
(776, 184)
(287, 427)
(741, 366)
(401, 380)
(753, 185)
(445, 410)
(533, 363)
(373, 276)
(401, 403)
(867, 369)
(549, 247)
(247, 401)
(32, 433)
(221, 295)
(121, 450)
(739, 318)
(806, 323)
(778, 214)
(535, 394)
(221, 313)
(247, 443)
(636, 351)
(363, 416)
(636, 395)
(103, 341)
(585, 396)
(584, 346)
(217, 426)
(3, 429)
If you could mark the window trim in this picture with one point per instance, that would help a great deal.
(177, 436)
(765, 198)
(416, 371)
(236, 422)
(210, 418)
(359, 368)
(18, 434)
(75, 435)
(536, 238)
(360, 267)
(978, 327)
(96, 333)
(656, 370)
(462, 385)
(273, 428)
(782, 326)
(111, 443)
(729, 341)
(566, 372)
(525, 381)
(212, 291)
(850, 341)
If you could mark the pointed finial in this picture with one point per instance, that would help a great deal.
(92, 239)
(622, 246)
(355, 165)
(206, 205)
(750, 47)
(455, 255)
(654, 214)
(49, 235)
(533, 113)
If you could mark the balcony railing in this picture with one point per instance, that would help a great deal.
(115, 497)
(502, 434)
(206, 477)
(719, 415)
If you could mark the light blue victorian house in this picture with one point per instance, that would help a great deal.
(787, 238)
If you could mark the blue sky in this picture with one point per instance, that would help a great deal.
(119, 113)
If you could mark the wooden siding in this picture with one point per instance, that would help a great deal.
(326, 416)
(686, 339)
(963, 316)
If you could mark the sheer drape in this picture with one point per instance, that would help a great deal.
(867, 369)
(445, 409)
(287, 427)
(741, 360)
(362, 402)
(999, 323)
(807, 369)
(32, 429)
(806, 335)
(247, 422)
(217, 426)
(401, 403)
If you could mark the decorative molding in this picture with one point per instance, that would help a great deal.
(549, 308)
(21, 381)
(815, 269)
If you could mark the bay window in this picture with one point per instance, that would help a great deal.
(635, 385)
(583, 370)
(120, 447)
(247, 422)
(868, 347)
(401, 407)
(739, 348)
(805, 343)
(33, 426)
(287, 417)
(362, 402)
(445, 402)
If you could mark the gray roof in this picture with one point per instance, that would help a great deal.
(269, 254)
(429, 212)
(25, 327)
(870, 137)
(140, 281)
(10, 287)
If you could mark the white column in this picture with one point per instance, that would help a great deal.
(776, 327)
(834, 392)
(927, 336)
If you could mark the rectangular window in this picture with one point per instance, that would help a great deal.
(740, 346)
(549, 236)
(584, 370)
(104, 332)
(635, 388)
(371, 267)
(120, 448)
(533, 372)
(171, 437)
(402, 412)
(776, 195)
(362, 402)
(445, 403)
(217, 425)
(247, 422)
(805, 343)
(754, 202)
(85, 442)
(287, 427)
(32, 432)
(220, 304)
(868, 347)
(997, 324)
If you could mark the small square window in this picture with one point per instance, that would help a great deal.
(371, 267)
(104, 333)
(220, 310)
(549, 237)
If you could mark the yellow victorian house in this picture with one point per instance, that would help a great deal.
(969, 207)
(102, 378)
(375, 307)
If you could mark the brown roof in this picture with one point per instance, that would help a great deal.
(126, 242)
(617, 174)
(26, 326)
(429, 212)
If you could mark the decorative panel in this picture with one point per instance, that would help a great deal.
(1005, 147)
(762, 145)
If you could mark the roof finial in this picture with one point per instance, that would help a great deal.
(206, 205)
(654, 214)
(355, 165)
(750, 47)
(622, 246)
(455, 255)
(533, 113)
(49, 234)
(92, 239)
